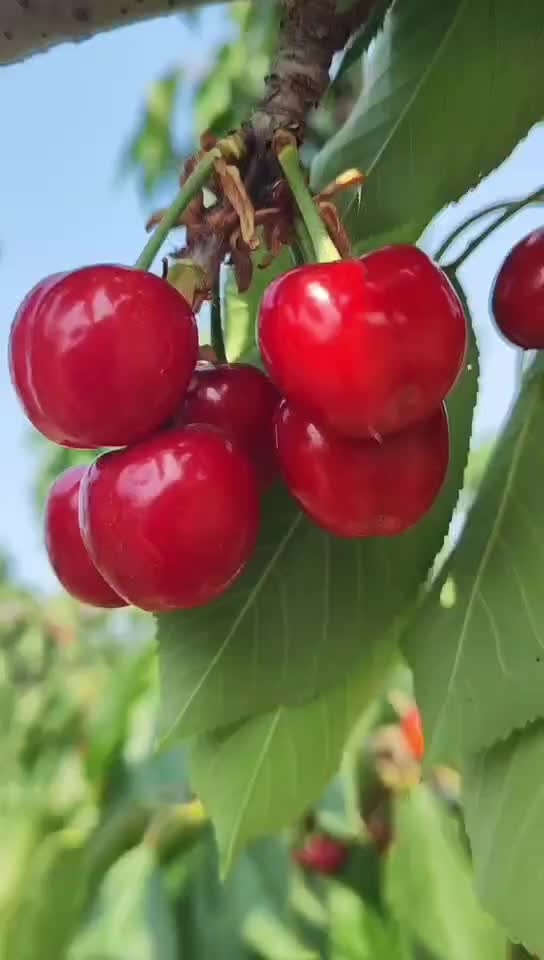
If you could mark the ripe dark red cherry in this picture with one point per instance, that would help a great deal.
(171, 521)
(240, 400)
(362, 488)
(65, 548)
(321, 854)
(367, 346)
(102, 356)
(518, 293)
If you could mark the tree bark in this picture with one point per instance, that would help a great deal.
(28, 26)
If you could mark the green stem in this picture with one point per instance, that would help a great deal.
(304, 242)
(512, 208)
(323, 248)
(190, 188)
(218, 342)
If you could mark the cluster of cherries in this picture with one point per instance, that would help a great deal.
(360, 356)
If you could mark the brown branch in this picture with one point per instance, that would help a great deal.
(28, 26)
(311, 32)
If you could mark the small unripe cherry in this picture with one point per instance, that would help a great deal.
(362, 488)
(171, 521)
(517, 299)
(65, 548)
(239, 400)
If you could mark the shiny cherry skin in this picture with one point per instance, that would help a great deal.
(65, 548)
(517, 300)
(321, 854)
(363, 487)
(102, 356)
(367, 346)
(240, 401)
(171, 521)
(412, 729)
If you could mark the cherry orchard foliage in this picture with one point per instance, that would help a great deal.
(484, 677)
(417, 128)
(270, 760)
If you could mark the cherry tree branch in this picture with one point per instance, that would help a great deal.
(29, 26)
(311, 32)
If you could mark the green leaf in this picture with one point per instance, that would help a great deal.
(504, 811)
(362, 39)
(255, 778)
(271, 939)
(360, 932)
(306, 610)
(240, 309)
(477, 648)
(212, 914)
(428, 883)
(48, 904)
(132, 919)
(434, 72)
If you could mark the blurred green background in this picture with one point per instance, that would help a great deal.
(105, 855)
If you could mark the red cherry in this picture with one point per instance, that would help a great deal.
(171, 521)
(239, 400)
(102, 356)
(412, 729)
(65, 548)
(362, 488)
(367, 346)
(518, 293)
(321, 854)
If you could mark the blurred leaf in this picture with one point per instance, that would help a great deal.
(108, 729)
(43, 915)
(212, 914)
(272, 940)
(428, 883)
(151, 148)
(257, 777)
(477, 657)
(417, 129)
(358, 932)
(132, 919)
(504, 810)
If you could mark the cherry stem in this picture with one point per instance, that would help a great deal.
(194, 183)
(322, 247)
(512, 207)
(218, 342)
(304, 251)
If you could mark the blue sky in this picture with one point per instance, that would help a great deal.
(66, 117)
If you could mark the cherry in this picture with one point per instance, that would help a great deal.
(518, 293)
(321, 854)
(362, 488)
(367, 346)
(240, 400)
(65, 548)
(171, 521)
(412, 729)
(102, 356)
